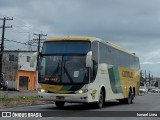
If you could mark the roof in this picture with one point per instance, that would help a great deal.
(85, 38)
(18, 51)
(81, 38)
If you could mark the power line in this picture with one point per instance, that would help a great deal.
(20, 42)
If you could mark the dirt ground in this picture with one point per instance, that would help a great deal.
(16, 94)
(6, 104)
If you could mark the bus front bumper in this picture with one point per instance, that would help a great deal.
(77, 98)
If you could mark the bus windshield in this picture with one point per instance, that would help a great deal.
(64, 63)
(66, 47)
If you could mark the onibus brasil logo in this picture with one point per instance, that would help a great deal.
(21, 114)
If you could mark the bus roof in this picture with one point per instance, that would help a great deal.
(79, 38)
(117, 47)
(85, 38)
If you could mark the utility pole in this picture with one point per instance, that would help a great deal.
(149, 80)
(2, 41)
(145, 80)
(39, 44)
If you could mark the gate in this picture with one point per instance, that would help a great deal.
(23, 83)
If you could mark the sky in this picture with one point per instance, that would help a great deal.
(132, 24)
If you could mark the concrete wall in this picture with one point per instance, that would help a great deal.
(23, 64)
(9, 68)
(12, 85)
(31, 81)
(159, 84)
(19, 67)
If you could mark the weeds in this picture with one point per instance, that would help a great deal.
(19, 98)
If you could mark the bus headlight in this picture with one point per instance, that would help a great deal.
(81, 91)
(42, 90)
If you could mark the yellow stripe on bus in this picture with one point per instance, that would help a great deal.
(54, 88)
(129, 78)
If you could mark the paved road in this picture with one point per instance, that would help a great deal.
(149, 102)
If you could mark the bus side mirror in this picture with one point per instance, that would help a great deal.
(33, 59)
(89, 59)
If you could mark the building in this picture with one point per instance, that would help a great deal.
(158, 80)
(17, 70)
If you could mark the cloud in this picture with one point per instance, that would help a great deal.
(133, 25)
(147, 63)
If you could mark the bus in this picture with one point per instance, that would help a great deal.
(79, 69)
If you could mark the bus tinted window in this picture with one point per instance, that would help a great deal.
(112, 56)
(64, 47)
(95, 51)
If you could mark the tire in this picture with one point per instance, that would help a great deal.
(128, 100)
(59, 104)
(100, 102)
(5, 88)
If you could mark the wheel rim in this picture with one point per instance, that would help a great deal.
(101, 99)
(130, 98)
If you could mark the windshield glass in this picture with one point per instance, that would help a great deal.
(63, 69)
(64, 62)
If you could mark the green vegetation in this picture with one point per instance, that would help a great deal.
(156, 84)
(19, 98)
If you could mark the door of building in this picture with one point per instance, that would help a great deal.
(23, 83)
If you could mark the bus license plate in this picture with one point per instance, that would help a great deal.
(60, 97)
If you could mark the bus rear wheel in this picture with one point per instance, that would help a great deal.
(59, 104)
(128, 100)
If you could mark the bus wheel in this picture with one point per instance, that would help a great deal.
(129, 100)
(100, 103)
(59, 104)
(5, 88)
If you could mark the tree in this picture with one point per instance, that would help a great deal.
(156, 84)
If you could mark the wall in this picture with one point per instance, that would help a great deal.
(158, 83)
(9, 68)
(12, 85)
(31, 81)
(19, 67)
(22, 61)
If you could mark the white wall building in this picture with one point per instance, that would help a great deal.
(17, 70)
(24, 61)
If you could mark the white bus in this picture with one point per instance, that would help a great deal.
(86, 70)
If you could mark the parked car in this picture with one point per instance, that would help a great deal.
(156, 90)
(143, 90)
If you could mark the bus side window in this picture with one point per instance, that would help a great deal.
(95, 61)
(94, 71)
(95, 68)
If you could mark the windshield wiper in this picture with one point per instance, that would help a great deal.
(67, 73)
(56, 71)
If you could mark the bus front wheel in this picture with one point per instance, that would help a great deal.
(100, 103)
(59, 104)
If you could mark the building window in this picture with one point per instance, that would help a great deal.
(28, 58)
(11, 57)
